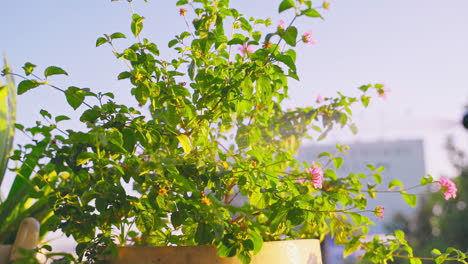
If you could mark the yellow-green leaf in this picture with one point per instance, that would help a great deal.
(185, 142)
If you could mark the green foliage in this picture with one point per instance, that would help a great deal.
(19, 202)
(216, 131)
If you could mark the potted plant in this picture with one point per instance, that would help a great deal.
(209, 128)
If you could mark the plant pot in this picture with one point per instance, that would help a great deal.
(305, 251)
(27, 238)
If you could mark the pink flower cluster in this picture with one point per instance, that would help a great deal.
(317, 175)
(448, 187)
(379, 211)
(319, 99)
(307, 37)
(281, 25)
(246, 49)
(383, 92)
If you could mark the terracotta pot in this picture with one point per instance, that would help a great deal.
(306, 251)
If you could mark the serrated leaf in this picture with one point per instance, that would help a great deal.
(54, 70)
(285, 5)
(27, 85)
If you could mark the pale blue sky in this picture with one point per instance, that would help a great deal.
(419, 48)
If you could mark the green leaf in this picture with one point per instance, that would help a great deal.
(145, 222)
(415, 261)
(27, 85)
(257, 241)
(185, 142)
(172, 43)
(365, 100)
(89, 116)
(353, 128)
(426, 180)
(352, 246)
(181, 2)
(117, 35)
(61, 118)
(53, 70)
(290, 36)
(285, 5)
(124, 75)
(338, 162)
(227, 250)
(130, 55)
(203, 234)
(177, 218)
(395, 183)
(101, 41)
(75, 96)
(311, 13)
(410, 199)
(377, 178)
(329, 173)
(44, 113)
(286, 59)
(244, 257)
(28, 68)
(191, 69)
(137, 24)
(400, 235)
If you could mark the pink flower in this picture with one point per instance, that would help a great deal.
(448, 187)
(317, 175)
(383, 92)
(281, 24)
(307, 37)
(246, 49)
(379, 211)
(319, 99)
